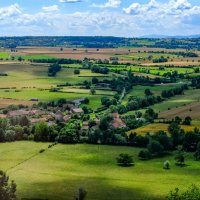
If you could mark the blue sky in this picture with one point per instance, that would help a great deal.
(127, 18)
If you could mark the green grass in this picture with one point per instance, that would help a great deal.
(139, 91)
(4, 55)
(29, 79)
(190, 96)
(32, 57)
(59, 172)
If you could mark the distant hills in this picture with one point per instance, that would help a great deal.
(167, 36)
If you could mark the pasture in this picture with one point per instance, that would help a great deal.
(58, 172)
(27, 81)
(190, 96)
(4, 55)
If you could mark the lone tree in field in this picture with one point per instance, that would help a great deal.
(187, 121)
(125, 160)
(77, 71)
(7, 190)
(180, 157)
(166, 164)
(148, 92)
(93, 91)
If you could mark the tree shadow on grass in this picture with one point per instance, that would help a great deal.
(97, 189)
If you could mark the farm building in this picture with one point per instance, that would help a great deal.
(117, 122)
(77, 110)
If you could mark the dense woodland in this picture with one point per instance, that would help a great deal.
(99, 42)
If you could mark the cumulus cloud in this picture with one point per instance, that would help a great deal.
(174, 17)
(170, 7)
(50, 8)
(108, 4)
(10, 11)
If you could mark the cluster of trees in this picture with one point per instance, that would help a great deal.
(160, 143)
(196, 82)
(175, 91)
(127, 83)
(17, 128)
(105, 101)
(160, 60)
(56, 60)
(53, 69)
(101, 70)
(186, 54)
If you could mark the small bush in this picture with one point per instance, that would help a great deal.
(166, 165)
(42, 150)
(125, 160)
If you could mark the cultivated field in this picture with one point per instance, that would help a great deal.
(192, 110)
(125, 55)
(60, 171)
(155, 127)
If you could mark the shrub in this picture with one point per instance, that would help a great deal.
(42, 150)
(166, 165)
(7, 191)
(125, 160)
(192, 193)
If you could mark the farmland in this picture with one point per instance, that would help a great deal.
(26, 81)
(59, 172)
(67, 111)
(153, 128)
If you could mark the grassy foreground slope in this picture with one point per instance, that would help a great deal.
(60, 171)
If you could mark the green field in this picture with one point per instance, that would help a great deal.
(32, 81)
(139, 91)
(190, 96)
(60, 171)
(4, 55)
(32, 57)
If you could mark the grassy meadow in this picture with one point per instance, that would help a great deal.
(27, 81)
(60, 171)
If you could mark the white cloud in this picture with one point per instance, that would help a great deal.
(174, 17)
(10, 11)
(109, 4)
(50, 8)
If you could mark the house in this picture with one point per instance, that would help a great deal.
(77, 111)
(37, 120)
(117, 122)
(66, 118)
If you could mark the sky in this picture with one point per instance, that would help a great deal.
(126, 18)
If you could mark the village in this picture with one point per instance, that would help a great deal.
(52, 115)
